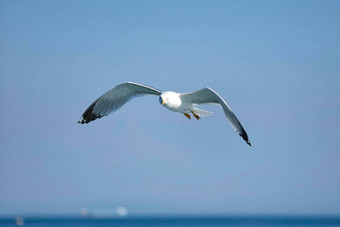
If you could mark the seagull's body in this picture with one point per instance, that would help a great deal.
(173, 101)
(184, 103)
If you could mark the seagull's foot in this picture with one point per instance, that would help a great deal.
(195, 115)
(187, 115)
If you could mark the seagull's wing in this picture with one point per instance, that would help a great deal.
(114, 99)
(209, 96)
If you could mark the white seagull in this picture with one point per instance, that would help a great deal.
(184, 103)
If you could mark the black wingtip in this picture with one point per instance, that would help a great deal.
(88, 116)
(82, 121)
(244, 136)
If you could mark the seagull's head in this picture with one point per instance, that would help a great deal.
(170, 99)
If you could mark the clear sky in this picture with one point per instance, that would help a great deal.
(276, 63)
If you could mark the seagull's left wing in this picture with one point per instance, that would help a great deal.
(209, 96)
(114, 99)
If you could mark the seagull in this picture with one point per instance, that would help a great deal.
(184, 103)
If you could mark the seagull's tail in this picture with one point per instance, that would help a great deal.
(202, 113)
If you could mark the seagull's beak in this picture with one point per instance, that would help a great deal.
(162, 102)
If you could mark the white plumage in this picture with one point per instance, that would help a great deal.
(184, 103)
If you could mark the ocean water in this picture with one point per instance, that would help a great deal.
(172, 221)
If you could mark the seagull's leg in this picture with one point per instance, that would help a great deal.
(195, 115)
(187, 115)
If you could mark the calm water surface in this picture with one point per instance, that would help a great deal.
(173, 221)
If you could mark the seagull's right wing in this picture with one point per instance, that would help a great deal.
(209, 96)
(114, 99)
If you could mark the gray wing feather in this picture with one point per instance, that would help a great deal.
(209, 96)
(114, 99)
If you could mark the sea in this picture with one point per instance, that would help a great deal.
(170, 221)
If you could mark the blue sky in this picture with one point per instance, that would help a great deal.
(276, 63)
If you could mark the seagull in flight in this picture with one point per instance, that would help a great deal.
(184, 103)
